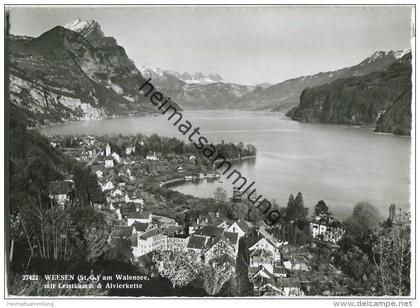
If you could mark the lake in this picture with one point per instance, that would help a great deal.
(338, 164)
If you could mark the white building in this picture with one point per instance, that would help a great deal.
(149, 241)
(327, 228)
(239, 227)
(109, 163)
(60, 191)
(116, 157)
(130, 150)
(152, 156)
(107, 150)
(265, 244)
(142, 217)
(99, 173)
(108, 186)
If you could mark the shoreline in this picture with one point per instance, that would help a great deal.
(183, 180)
(53, 124)
(238, 158)
(369, 128)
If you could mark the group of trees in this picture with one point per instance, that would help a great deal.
(321, 208)
(376, 253)
(392, 256)
(294, 226)
(44, 237)
(160, 144)
(184, 268)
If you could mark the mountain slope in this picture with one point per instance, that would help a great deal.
(381, 99)
(60, 76)
(217, 95)
(285, 95)
(198, 90)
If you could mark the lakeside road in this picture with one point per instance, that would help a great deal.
(172, 181)
(239, 158)
(180, 180)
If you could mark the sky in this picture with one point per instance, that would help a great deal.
(244, 45)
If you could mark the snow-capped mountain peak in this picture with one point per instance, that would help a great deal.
(83, 26)
(401, 53)
(377, 55)
(91, 30)
(199, 77)
(195, 78)
(151, 72)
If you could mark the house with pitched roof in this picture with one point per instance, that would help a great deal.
(140, 227)
(261, 243)
(290, 286)
(176, 242)
(264, 259)
(109, 162)
(206, 239)
(240, 227)
(219, 247)
(130, 150)
(143, 217)
(151, 240)
(326, 228)
(233, 239)
(196, 243)
(61, 191)
(209, 232)
(107, 186)
(121, 232)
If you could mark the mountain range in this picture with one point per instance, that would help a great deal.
(77, 72)
(381, 99)
(67, 75)
(196, 91)
(196, 78)
(285, 95)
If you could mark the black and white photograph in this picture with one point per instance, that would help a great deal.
(209, 151)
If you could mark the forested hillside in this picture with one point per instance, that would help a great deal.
(381, 99)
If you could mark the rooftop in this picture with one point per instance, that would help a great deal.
(209, 231)
(232, 237)
(140, 226)
(122, 231)
(138, 215)
(150, 233)
(196, 242)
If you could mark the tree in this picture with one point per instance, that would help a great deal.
(253, 214)
(96, 243)
(237, 211)
(219, 268)
(392, 256)
(296, 210)
(49, 231)
(220, 195)
(119, 250)
(321, 208)
(179, 267)
(365, 217)
(87, 187)
(215, 276)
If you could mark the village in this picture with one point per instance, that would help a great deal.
(137, 215)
